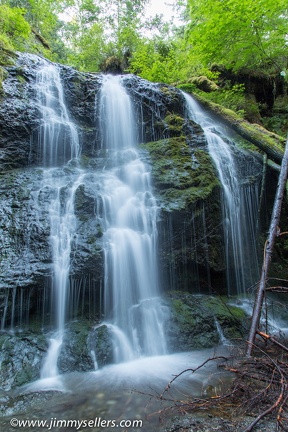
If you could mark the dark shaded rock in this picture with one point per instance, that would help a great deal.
(152, 102)
(19, 114)
(24, 232)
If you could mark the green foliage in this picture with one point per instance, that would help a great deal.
(88, 51)
(96, 32)
(159, 60)
(14, 29)
(239, 33)
(232, 98)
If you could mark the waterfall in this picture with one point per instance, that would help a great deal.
(239, 203)
(57, 145)
(132, 306)
(57, 139)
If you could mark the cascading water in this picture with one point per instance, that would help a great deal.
(239, 204)
(57, 145)
(58, 138)
(87, 211)
(131, 303)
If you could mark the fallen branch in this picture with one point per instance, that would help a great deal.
(277, 289)
(279, 399)
(272, 339)
(167, 388)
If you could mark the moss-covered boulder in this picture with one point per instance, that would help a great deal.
(74, 354)
(202, 321)
(182, 175)
(188, 193)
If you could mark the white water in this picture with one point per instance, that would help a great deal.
(239, 205)
(58, 138)
(147, 375)
(131, 302)
(133, 311)
(57, 144)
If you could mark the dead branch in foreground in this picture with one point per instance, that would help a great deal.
(259, 389)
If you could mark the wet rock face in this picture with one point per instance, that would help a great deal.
(183, 177)
(75, 355)
(25, 257)
(21, 358)
(18, 116)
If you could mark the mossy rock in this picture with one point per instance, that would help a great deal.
(74, 354)
(7, 56)
(232, 319)
(100, 341)
(204, 83)
(174, 124)
(182, 175)
(194, 318)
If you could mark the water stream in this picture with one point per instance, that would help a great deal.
(131, 298)
(239, 203)
(58, 144)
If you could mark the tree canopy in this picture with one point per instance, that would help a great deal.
(239, 33)
(83, 33)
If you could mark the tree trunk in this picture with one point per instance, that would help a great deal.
(268, 250)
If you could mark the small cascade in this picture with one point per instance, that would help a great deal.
(239, 204)
(57, 144)
(224, 341)
(58, 140)
(131, 302)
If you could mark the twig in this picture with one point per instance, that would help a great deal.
(167, 388)
(273, 340)
(279, 399)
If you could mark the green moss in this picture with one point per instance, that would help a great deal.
(21, 79)
(175, 124)
(170, 92)
(246, 145)
(184, 314)
(181, 174)
(187, 87)
(221, 307)
(195, 317)
(7, 56)
(3, 75)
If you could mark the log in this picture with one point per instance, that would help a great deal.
(268, 250)
(268, 142)
(41, 39)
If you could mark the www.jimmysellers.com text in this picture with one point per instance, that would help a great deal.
(52, 423)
